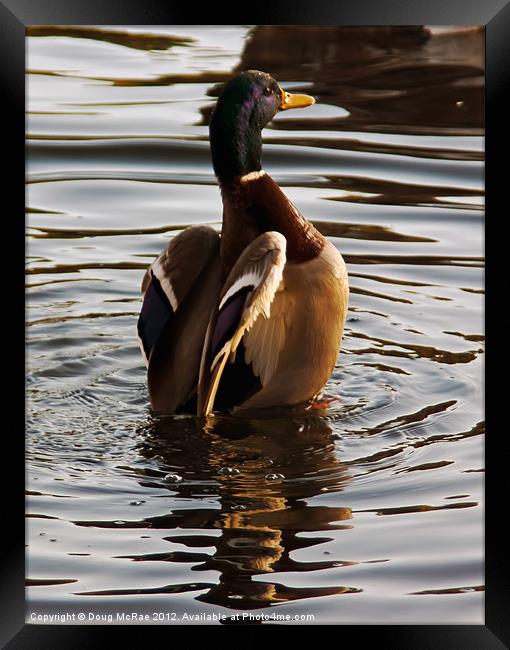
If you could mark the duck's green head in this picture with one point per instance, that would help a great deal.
(248, 102)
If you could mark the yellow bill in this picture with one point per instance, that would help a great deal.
(295, 101)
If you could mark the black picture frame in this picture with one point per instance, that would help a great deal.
(14, 16)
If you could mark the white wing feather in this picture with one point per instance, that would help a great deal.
(264, 341)
(261, 324)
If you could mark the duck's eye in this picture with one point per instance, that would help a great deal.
(268, 91)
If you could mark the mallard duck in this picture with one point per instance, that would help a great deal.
(252, 317)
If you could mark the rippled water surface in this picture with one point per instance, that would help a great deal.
(377, 516)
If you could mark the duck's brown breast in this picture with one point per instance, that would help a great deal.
(256, 205)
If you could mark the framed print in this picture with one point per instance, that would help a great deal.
(254, 338)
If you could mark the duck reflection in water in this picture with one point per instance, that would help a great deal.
(263, 470)
(385, 78)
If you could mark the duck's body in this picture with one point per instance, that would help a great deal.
(252, 318)
(300, 340)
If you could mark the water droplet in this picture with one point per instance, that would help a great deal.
(53, 539)
(228, 471)
(324, 489)
(41, 534)
(238, 507)
(336, 436)
(274, 477)
(136, 503)
(173, 478)
(459, 104)
(301, 428)
(120, 522)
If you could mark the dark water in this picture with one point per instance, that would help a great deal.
(379, 516)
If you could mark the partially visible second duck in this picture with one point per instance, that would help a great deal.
(251, 318)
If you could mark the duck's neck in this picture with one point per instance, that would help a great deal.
(236, 143)
(255, 204)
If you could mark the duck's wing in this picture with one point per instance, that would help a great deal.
(248, 316)
(180, 288)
